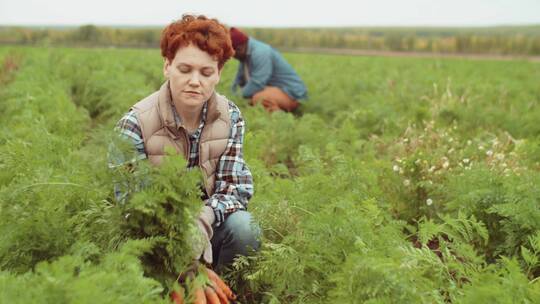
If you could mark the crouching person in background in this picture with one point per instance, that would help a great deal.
(264, 76)
(208, 129)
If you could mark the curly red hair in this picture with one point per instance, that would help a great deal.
(207, 34)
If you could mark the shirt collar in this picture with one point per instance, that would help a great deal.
(249, 47)
(178, 119)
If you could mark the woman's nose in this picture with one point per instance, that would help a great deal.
(194, 79)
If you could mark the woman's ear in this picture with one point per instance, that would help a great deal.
(166, 65)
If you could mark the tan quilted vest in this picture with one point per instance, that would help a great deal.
(159, 130)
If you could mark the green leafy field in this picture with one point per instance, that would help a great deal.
(403, 180)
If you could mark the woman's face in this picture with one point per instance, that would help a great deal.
(193, 74)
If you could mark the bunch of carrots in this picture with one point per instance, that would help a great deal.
(214, 292)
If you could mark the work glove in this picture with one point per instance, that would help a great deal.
(201, 242)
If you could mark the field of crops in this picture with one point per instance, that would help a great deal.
(402, 180)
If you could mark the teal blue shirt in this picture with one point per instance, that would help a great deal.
(267, 67)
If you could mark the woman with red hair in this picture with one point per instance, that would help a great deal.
(186, 113)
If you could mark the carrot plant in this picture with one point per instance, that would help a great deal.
(401, 180)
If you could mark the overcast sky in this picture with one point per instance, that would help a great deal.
(274, 13)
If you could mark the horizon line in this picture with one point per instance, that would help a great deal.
(279, 26)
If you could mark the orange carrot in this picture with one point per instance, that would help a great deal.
(220, 284)
(200, 297)
(177, 297)
(211, 296)
(220, 294)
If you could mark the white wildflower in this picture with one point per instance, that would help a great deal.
(406, 183)
(429, 202)
(466, 160)
(489, 153)
(499, 156)
(446, 164)
(395, 168)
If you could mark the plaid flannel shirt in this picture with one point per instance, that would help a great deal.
(234, 182)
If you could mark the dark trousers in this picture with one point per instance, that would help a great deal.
(238, 235)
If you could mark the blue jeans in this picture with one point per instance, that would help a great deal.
(238, 235)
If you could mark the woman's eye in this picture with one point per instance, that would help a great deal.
(184, 69)
(207, 72)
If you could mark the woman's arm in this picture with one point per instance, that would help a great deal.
(234, 182)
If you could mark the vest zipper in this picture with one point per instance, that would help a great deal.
(205, 178)
(186, 144)
(187, 149)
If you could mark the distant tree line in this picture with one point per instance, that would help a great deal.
(86, 35)
(515, 40)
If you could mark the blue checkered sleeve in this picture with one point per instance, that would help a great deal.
(234, 182)
(126, 149)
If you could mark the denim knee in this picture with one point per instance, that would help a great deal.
(243, 230)
(238, 235)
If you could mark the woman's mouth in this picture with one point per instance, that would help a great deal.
(192, 94)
